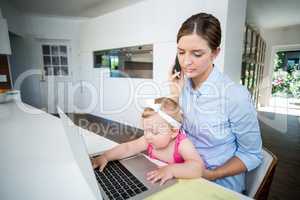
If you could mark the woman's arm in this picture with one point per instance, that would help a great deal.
(232, 167)
(244, 125)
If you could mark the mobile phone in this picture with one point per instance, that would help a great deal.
(176, 67)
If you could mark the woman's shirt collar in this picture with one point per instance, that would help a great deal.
(207, 87)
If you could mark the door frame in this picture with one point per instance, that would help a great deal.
(51, 85)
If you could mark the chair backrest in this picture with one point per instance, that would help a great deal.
(258, 181)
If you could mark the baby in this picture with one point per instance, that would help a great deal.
(164, 140)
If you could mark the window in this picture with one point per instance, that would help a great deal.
(253, 61)
(133, 62)
(55, 59)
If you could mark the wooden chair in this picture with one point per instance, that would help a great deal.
(258, 181)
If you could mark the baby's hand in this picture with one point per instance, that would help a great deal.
(163, 174)
(99, 161)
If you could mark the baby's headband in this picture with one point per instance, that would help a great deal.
(165, 116)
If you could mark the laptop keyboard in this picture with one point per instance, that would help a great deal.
(118, 182)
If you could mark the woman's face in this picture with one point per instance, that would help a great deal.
(195, 56)
(157, 132)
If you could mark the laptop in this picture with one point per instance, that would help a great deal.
(123, 179)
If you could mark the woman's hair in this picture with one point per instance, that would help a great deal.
(206, 26)
(167, 105)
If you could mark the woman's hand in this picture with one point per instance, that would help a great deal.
(176, 83)
(163, 174)
(232, 167)
(210, 174)
(99, 161)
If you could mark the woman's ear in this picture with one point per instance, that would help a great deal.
(215, 53)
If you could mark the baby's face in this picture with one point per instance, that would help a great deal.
(157, 132)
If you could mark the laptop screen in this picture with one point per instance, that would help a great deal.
(79, 150)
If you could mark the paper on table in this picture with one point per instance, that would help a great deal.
(193, 189)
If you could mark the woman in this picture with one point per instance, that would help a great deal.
(219, 117)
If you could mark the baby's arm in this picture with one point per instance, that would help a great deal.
(191, 168)
(123, 150)
(193, 164)
(127, 149)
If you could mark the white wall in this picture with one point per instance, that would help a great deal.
(277, 39)
(22, 60)
(234, 38)
(37, 31)
(14, 18)
(29, 32)
(4, 39)
(148, 22)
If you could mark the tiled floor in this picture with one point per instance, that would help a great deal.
(280, 134)
(109, 129)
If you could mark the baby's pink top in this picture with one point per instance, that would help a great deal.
(177, 158)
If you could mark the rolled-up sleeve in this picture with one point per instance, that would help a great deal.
(245, 127)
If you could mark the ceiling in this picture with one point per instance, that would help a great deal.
(273, 13)
(70, 8)
(260, 13)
